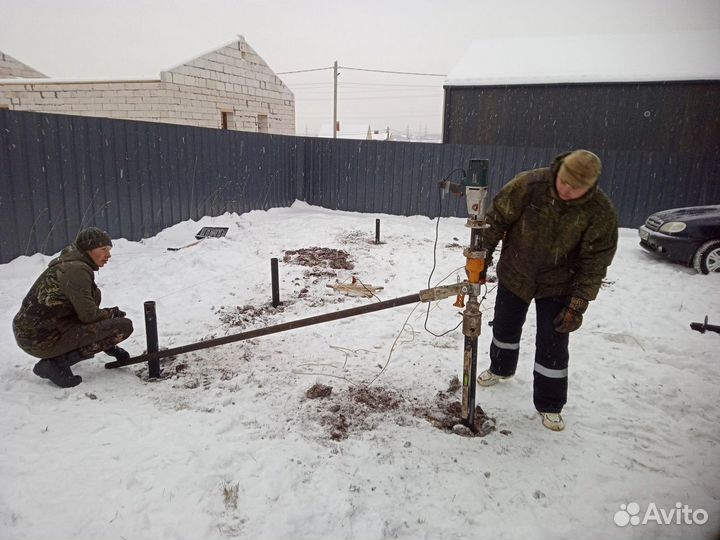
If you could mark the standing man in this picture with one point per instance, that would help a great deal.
(60, 321)
(559, 234)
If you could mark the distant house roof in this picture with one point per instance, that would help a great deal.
(347, 131)
(11, 68)
(660, 56)
(36, 79)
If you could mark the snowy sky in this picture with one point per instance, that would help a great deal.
(134, 38)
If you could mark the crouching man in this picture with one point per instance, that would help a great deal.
(60, 320)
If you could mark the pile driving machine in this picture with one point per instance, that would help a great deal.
(474, 187)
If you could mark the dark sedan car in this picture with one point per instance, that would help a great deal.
(686, 235)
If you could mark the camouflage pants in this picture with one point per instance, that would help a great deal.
(89, 339)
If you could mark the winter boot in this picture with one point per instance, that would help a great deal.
(57, 370)
(73, 357)
(552, 421)
(488, 378)
(117, 353)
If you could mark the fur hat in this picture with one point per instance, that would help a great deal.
(581, 168)
(91, 238)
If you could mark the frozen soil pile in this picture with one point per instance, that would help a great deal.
(247, 315)
(364, 408)
(336, 259)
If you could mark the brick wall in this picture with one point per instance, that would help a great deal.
(233, 79)
(11, 68)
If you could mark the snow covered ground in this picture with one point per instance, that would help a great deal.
(228, 445)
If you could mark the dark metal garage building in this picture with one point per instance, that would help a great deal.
(647, 104)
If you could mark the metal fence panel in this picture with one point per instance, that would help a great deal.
(61, 173)
(383, 177)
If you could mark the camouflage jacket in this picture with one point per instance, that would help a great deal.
(551, 247)
(64, 295)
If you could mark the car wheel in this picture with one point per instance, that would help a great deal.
(707, 257)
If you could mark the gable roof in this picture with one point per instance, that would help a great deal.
(239, 42)
(12, 68)
(641, 57)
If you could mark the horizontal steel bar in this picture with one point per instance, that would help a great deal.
(342, 314)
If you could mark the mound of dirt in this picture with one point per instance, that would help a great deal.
(353, 409)
(447, 417)
(446, 414)
(320, 257)
(375, 398)
(247, 315)
(318, 391)
(360, 408)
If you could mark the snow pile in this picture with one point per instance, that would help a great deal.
(248, 440)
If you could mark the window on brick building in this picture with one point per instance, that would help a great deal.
(227, 120)
(262, 123)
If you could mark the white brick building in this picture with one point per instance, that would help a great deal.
(11, 68)
(231, 87)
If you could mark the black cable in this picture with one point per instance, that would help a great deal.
(437, 231)
(437, 224)
(486, 292)
(444, 333)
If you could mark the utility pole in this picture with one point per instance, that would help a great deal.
(335, 77)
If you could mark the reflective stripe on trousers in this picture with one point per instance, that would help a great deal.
(550, 372)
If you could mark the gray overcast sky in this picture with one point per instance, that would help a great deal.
(109, 38)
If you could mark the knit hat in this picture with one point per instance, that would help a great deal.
(581, 169)
(91, 238)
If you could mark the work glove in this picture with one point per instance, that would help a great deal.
(115, 312)
(488, 259)
(571, 316)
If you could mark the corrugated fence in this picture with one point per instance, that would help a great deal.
(61, 173)
(384, 177)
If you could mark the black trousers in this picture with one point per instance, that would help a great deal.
(551, 347)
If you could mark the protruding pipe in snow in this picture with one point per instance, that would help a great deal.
(151, 335)
(275, 282)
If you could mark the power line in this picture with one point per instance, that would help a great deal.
(345, 83)
(356, 97)
(373, 114)
(394, 72)
(303, 71)
(311, 91)
(319, 84)
(360, 85)
(362, 91)
(364, 69)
